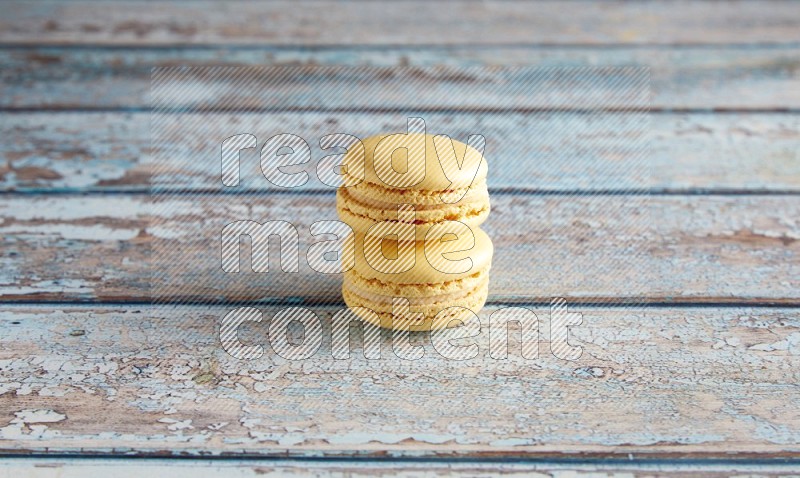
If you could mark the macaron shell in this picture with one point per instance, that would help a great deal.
(436, 267)
(434, 179)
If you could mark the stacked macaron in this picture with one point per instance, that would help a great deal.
(421, 259)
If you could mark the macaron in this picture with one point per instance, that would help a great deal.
(448, 278)
(442, 178)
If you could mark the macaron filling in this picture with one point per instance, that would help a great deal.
(416, 301)
(422, 315)
(365, 190)
(470, 196)
(419, 290)
(474, 209)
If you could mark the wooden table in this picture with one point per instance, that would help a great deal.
(701, 377)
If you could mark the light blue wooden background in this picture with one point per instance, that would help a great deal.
(702, 379)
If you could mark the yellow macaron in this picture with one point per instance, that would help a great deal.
(443, 179)
(415, 203)
(447, 275)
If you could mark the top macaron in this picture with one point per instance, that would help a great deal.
(442, 178)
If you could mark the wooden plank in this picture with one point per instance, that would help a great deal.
(683, 78)
(401, 88)
(706, 383)
(588, 248)
(74, 151)
(553, 152)
(268, 468)
(390, 23)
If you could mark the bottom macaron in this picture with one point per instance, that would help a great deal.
(426, 287)
(369, 301)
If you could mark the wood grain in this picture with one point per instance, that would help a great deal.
(668, 388)
(412, 22)
(588, 248)
(683, 78)
(553, 152)
(653, 382)
(412, 88)
(269, 468)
